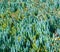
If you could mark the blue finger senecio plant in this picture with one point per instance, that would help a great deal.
(29, 25)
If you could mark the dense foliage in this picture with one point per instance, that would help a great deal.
(29, 25)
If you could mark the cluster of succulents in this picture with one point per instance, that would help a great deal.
(29, 25)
